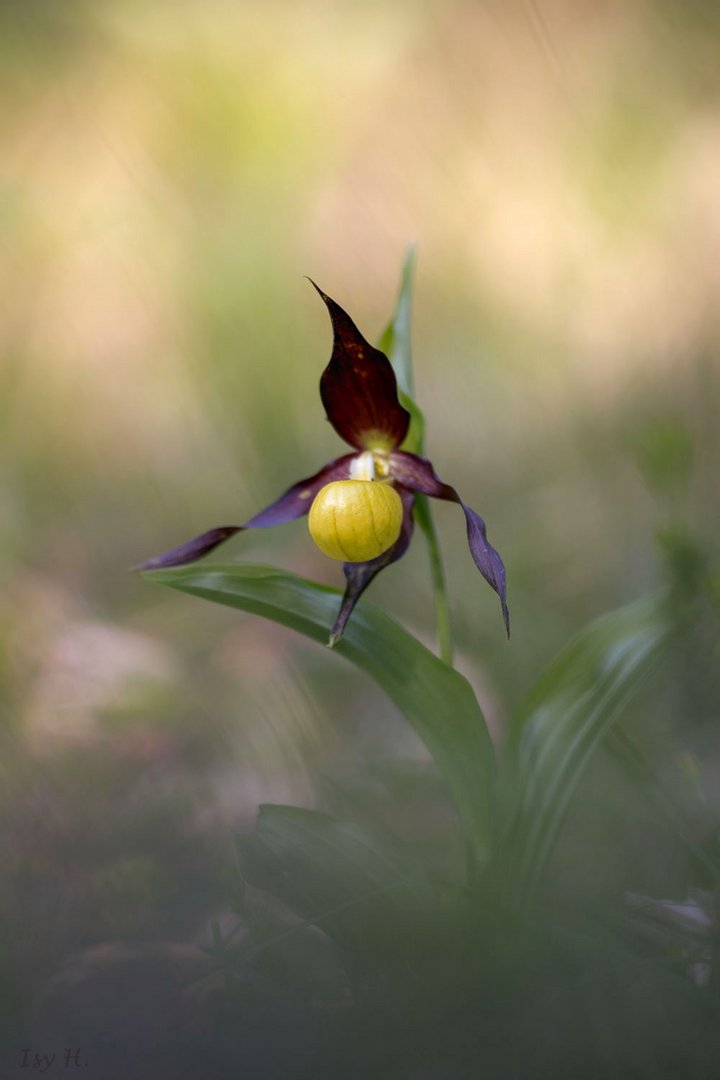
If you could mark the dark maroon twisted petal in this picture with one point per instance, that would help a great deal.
(359, 389)
(418, 474)
(359, 575)
(296, 501)
(191, 549)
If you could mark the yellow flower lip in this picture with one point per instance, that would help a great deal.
(355, 520)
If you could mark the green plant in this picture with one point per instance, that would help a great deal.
(395, 919)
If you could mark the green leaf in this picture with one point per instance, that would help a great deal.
(396, 343)
(415, 438)
(437, 701)
(571, 709)
(345, 879)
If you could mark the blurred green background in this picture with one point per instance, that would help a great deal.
(169, 174)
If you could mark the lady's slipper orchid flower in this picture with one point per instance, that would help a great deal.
(360, 505)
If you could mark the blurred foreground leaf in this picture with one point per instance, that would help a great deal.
(571, 709)
(436, 700)
(335, 875)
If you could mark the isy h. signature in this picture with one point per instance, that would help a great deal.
(70, 1057)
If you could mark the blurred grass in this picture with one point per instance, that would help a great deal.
(168, 175)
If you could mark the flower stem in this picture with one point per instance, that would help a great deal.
(395, 342)
(424, 518)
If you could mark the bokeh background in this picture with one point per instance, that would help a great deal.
(170, 172)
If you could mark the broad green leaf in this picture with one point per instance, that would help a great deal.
(436, 700)
(556, 731)
(345, 879)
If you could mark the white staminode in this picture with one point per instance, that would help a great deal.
(363, 466)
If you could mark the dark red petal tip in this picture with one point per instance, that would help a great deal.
(359, 389)
(418, 474)
(359, 575)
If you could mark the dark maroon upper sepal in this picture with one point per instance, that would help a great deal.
(359, 575)
(296, 501)
(418, 474)
(359, 389)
